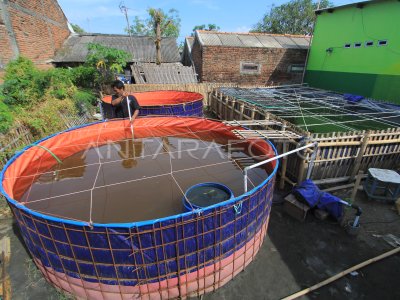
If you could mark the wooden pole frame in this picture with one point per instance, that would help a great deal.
(341, 274)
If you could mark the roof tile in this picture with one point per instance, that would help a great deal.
(142, 47)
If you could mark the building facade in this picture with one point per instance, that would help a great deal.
(34, 29)
(356, 49)
(249, 58)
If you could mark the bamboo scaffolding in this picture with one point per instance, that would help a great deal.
(341, 155)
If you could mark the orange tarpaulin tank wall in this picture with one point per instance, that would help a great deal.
(171, 103)
(179, 256)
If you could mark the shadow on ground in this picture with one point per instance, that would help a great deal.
(294, 256)
(297, 255)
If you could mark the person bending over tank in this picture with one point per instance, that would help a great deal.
(120, 104)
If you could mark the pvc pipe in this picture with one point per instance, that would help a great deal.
(311, 165)
(272, 159)
(130, 114)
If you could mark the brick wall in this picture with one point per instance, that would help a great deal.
(34, 29)
(6, 51)
(222, 64)
(197, 59)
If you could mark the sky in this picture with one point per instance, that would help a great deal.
(104, 16)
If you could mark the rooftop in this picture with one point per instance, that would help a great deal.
(360, 4)
(142, 47)
(252, 40)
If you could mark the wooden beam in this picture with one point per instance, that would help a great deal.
(356, 185)
(341, 274)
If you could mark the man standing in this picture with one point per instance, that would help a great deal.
(125, 105)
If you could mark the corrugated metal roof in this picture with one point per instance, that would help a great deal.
(231, 40)
(286, 42)
(251, 40)
(269, 41)
(189, 42)
(142, 47)
(163, 74)
(302, 43)
(211, 39)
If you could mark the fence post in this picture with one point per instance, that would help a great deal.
(225, 108)
(214, 103)
(241, 111)
(267, 117)
(253, 113)
(360, 155)
(233, 110)
(284, 160)
(303, 163)
(356, 185)
(219, 110)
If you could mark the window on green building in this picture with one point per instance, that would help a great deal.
(369, 43)
(382, 43)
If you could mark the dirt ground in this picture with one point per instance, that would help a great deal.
(295, 255)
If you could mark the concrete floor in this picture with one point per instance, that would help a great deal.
(294, 256)
(298, 255)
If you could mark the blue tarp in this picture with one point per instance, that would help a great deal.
(314, 197)
(147, 253)
(353, 98)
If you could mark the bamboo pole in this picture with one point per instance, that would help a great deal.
(341, 274)
(233, 110)
(359, 158)
(253, 113)
(226, 108)
(219, 110)
(241, 111)
(356, 185)
(284, 161)
(340, 187)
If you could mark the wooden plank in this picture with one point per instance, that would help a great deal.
(358, 160)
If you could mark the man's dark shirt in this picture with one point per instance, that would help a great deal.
(121, 109)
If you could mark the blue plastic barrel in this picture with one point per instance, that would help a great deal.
(206, 194)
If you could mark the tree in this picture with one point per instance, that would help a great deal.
(170, 23)
(77, 28)
(211, 27)
(107, 60)
(159, 24)
(294, 17)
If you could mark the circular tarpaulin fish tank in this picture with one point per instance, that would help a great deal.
(101, 210)
(161, 103)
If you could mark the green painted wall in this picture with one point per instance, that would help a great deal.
(369, 71)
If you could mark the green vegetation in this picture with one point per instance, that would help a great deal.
(77, 28)
(209, 27)
(294, 17)
(6, 117)
(35, 98)
(23, 83)
(159, 24)
(107, 61)
(83, 98)
(170, 23)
